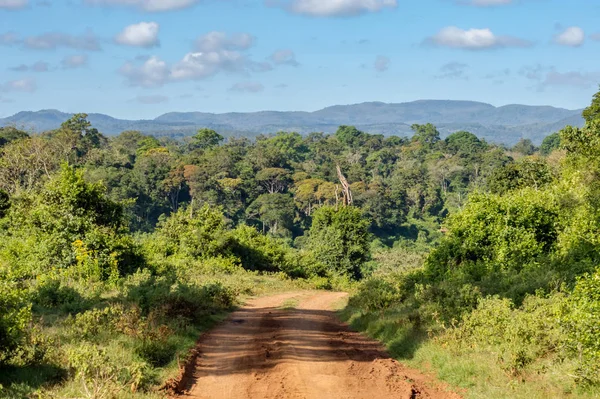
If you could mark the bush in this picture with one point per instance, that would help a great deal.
(50, 293)
(518, 336)
(582, 322)
(15, 316)
(174, 298)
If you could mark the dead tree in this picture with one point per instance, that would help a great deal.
(347, 194)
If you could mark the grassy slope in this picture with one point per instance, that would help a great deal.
(475, 373)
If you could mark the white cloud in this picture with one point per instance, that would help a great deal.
(382, 63)
(153, 72)
(74, 61)
(333, 8)
(247, 87)
(215, 52)
(13, 4)
(595, 36)
(217, 41)
(144, 34)
(28, 85)
(474, 39)
(284, 57)
(201, 65)
(572, 37)
(146, 5)
(152, 99)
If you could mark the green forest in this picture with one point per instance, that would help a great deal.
(474, 261)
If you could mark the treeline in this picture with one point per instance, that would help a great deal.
(513, 283)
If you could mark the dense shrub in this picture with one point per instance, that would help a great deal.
(517, 336)
(582, 322)
(15, 315)
(339, 239)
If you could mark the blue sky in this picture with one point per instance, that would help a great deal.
(141, 58)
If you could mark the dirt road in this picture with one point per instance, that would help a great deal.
(292, 346)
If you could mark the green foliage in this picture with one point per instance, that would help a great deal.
(592, 112)
(9, 134)
(339, 239)
(525, 147)
(15, 315)
(518, 336)
(550, 143)
(581, 320)
(206, 138)
(528, 172)
(194, 233)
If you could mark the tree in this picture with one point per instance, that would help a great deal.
(525, 147)
(275, 211)
(205, 139)
(593, 111)
(464, 144)
(340, 239)
(350, 136)
(274, 180)
(427, 135)
(550, 144)
(10, 133)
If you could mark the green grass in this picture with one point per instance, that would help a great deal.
(474, 374)
(53, 379)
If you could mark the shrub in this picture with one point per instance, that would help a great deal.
(582, 322)
(15, 315)
(518, 336)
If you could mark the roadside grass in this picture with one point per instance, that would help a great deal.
(123, 363)
(476, 374)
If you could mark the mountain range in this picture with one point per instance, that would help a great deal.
(506, 124)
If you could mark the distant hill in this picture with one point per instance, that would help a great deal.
(506, 124)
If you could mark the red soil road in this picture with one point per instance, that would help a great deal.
(265, 351)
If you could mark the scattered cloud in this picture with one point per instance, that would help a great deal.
(583, 80)
(332, 8)
(453, 70)
(9, 39)
(282, 86)
(573, 36)
(382, 63)
(13, 4)
(144, 34)
(214, 52)
(5, 100)
(474, 39)
(53, 40)
(39, 66)
(74, 61)
(27, 85)
(595, 36)
(201, 65)
(146, 5)
(43, 3)
(152, 72)
(535, 72)
(152, 99)
(220, 41)
(247, 87)
(284, 57)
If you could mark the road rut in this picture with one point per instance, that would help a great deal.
(266, 351)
